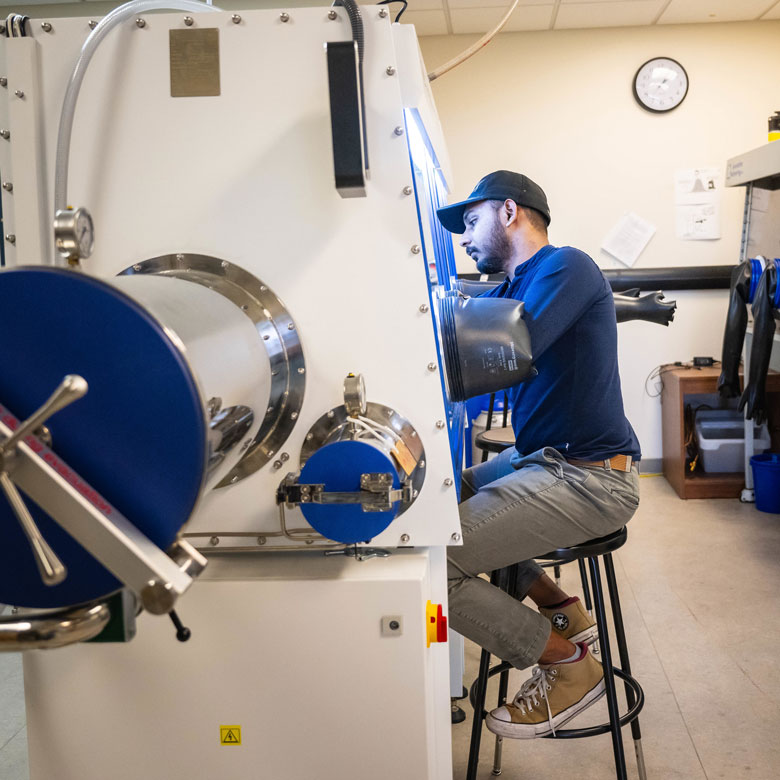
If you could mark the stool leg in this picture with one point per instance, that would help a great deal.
(479, 708)
(609, 676)
(586, 597)
(625, 665)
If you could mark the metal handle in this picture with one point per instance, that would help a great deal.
(53, 572)
(71, 389)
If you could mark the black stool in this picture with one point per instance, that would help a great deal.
(506, 579)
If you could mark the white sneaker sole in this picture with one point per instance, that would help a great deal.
(533, 730)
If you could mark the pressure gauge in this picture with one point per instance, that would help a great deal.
(74, 233)
(660, 85)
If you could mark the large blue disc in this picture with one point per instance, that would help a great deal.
(138, 436)
(338, 466)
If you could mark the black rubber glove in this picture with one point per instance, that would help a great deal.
(650, 308)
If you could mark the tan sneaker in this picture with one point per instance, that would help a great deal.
(554, 695)
(572, 622)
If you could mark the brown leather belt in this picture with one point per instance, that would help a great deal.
(618, 463)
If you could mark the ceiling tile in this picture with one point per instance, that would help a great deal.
(427, 22)
(481, 20)
(453, 4)
(415, 5)
(607, 13)
(693, 11)
(773, 13)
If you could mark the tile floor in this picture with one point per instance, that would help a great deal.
(698, 581)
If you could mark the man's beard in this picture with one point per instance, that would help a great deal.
(496, 251)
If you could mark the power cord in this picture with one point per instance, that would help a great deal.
(401, 12)
(659, 371)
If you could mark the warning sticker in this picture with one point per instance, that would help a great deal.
(230, 735)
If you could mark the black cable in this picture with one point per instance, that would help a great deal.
(401, 12)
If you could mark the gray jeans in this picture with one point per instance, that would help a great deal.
(510, 513)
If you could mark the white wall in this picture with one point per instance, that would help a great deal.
(559, 107)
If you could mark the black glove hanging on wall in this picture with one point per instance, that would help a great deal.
(736, 322)
(764, 312)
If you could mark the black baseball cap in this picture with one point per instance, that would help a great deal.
(499, 185)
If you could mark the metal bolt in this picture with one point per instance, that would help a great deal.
(284, 457)
(390, 412)
(415, 494)
(310, 541)
(180, 258)
(244, 307)
(432, 366)
(439, 424)
(421, 464)
(301, 370)
(394, 625)
(266, 337)
(331, 413)
(294, 416)
(424, 308)
(407, 190)
(382, 13)
(399, 130)
(390, 70)
(92, 24)
(261, 540)
(140, 23)
(137, 267)
(277, 464)
(405, 538)
(7, 186)
(448, 482)
(3, 81)
(309, 436)
(332, 15)
(214, 541)
(45, 26)
(416, 249)
(19, 93)
(10, 238)
(188, 20)
(5, 134)
(284, 16)
(291, 326)
(237, 20)
(455, 537)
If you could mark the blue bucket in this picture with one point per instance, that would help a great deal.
(766, 481)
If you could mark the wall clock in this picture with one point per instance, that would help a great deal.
(660, 85)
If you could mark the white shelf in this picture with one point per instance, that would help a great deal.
(760, 167)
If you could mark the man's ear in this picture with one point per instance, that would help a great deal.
(509, 211)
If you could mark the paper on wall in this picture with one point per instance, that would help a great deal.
(697, 203)
(628, 238)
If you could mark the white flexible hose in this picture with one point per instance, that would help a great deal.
(117, 16)
(474, 48)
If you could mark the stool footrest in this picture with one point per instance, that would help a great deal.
(588, 731)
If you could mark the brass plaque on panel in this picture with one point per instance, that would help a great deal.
(194, 62)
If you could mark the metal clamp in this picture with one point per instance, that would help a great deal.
(376, 493)
(361, 553)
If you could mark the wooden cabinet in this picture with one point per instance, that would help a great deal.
(678, 384)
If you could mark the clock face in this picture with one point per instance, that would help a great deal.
(660, 85)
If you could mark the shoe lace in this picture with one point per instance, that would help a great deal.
(534, 689)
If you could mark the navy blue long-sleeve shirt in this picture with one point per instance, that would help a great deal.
(575, 403)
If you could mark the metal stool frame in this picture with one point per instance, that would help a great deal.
(506, 579)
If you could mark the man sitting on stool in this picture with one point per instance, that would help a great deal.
(570, 477)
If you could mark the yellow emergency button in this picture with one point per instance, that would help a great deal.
(435, 624)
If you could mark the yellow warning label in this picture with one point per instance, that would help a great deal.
(230, 735)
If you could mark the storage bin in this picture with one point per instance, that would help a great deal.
(766, 481)
(721, 437)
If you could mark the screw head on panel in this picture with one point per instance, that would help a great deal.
(284, 16)
(92, 24)
(421, 464)
(416, 249)
(399, 130)
(8, 186)
(284, 457)
(277, 465)
(390, 70)
(405, 538)
(332, 15)
(137, 267)
(382, 13)
(423, 308)
(10, 238)
(5, 134)
(448, 482)
(301, 370)
(455, 537)
(214, 541)
(236, 18)
(294, 416)
(46, 26)
(432, 366)
(291, 326)
(140, 23)
(188, 20)
(261, 540)
(439, 424)
(309, 436)
(19, 93)
(407, 190)
(3, 81)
